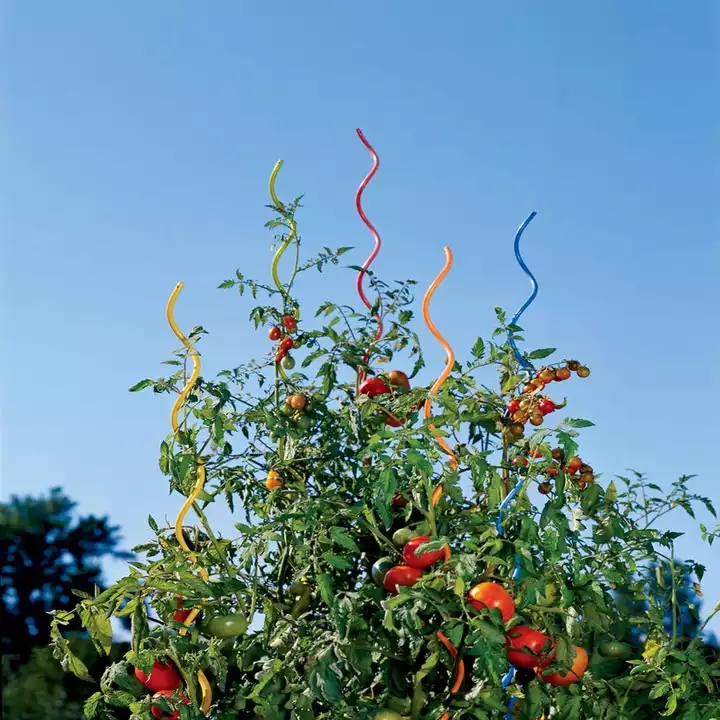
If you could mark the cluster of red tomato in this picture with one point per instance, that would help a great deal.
(533, 407)
(286, 343)
(528, 648)
(583, 474)
(165, 681)
(374, 386)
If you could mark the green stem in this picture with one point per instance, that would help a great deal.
(382, 539)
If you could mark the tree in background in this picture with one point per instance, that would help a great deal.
(465, 562)
(45, 554)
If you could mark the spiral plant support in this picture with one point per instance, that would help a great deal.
(459, 671)
(530, 369)
(199, 483)
(376, 249)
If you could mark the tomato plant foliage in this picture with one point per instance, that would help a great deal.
(325, 638)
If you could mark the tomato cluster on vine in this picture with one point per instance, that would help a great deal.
(286, 343)
(531, 406)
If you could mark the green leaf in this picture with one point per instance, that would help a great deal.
(323, 680)
(540, 354)
(343, 538)
(140, 626)
(98, 626)
(336, 561)
(659, 689)
(141, 385)
(671, 705)
(226, 284)
(91, 708)
(577, 423)
(478, 349)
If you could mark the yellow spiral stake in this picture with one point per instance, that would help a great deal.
(448, 366)
(199, 484)
(285, 244)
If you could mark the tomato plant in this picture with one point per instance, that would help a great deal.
(331, 491)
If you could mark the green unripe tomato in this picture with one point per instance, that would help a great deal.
(304, 422)
(288, 362)
(401, 536)
(614, 650)
(286, 410)
(226, 626)
(388, 715)
(380, 568)
(271, 421)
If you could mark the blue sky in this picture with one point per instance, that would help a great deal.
(138, 138)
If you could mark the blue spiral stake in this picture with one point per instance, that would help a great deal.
(527, 365)
(516, 246)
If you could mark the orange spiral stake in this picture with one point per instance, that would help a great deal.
(437, 494)
(199, 483)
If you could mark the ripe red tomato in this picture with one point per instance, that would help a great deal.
(577, 670)
(552, 472)
(527, 646)
(536, 453)
(398, 501)
(158, 712)
(562, 374)
(287, 344)
(424, 559)
(558, 454)
(574, 464)
(401, 575)
(513, 406)
(274, 333)
(399, 379)
(546, 406)
(372, 387)
(491, 595)
(289, 322)
(280, 355)
(162, 677)
(520, 461)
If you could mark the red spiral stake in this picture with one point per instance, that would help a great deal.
(376, 249)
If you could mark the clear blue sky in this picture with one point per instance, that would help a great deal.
(137, 142)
